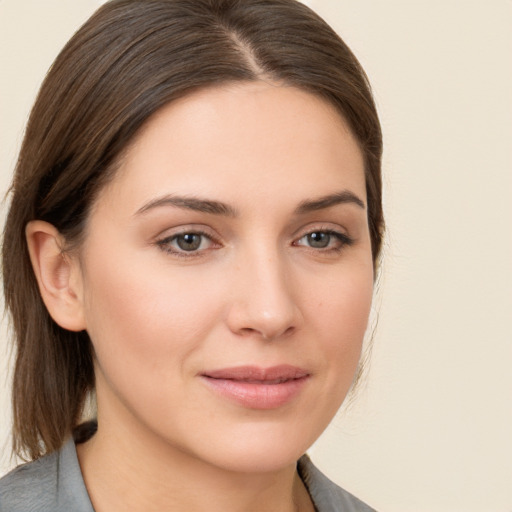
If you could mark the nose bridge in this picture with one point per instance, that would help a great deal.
(264, 301)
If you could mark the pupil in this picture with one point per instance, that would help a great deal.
(189, 242)
(319, 240)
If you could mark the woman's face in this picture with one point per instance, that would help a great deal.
(227, 277)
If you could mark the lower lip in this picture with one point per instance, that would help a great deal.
(257, 395)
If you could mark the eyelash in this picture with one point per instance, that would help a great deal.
(343, 239)
(165, 243)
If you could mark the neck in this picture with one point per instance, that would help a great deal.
(130, 472)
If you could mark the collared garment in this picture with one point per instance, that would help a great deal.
(54, 483)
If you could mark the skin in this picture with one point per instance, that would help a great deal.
(256, 291)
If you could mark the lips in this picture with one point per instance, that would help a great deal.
(257, 388)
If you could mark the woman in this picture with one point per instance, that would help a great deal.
(195, 225)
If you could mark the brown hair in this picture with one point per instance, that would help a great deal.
(127, 61)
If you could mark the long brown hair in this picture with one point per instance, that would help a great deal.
(127, 61)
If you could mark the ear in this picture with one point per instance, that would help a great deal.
(58, 275)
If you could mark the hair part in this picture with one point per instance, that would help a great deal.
(126, 62)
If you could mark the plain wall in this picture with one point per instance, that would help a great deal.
(431, 430)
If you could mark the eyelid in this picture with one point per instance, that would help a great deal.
(313, 227)
(163, 241)
(184, 229)
(343, 237)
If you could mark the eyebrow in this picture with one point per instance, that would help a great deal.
(321, 203)
(220, 208)
(190, 203)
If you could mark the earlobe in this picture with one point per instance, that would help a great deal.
(58, 275)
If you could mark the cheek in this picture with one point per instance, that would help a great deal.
(339, 316)
(336, 321)
(342, 304)
(143, 317)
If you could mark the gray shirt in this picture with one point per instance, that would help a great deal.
(54, 483)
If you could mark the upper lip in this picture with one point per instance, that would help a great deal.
(281, 373)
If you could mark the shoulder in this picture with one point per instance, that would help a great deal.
(31, 486)
(52, 483)
(326, 495)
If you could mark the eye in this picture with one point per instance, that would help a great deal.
(324, 239)
(186, 244)
(189, 241)
(318, 239)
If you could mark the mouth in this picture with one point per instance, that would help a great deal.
(257, 388)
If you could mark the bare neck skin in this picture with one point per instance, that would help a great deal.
(131, 473)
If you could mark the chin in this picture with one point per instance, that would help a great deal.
(263, 448)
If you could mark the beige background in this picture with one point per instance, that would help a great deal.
(432, 429)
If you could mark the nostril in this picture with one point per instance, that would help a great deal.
(267, 311)
(267, 334)
(288, 332)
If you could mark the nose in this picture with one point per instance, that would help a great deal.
(264, 301)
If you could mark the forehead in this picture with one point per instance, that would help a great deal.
(256, 137)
